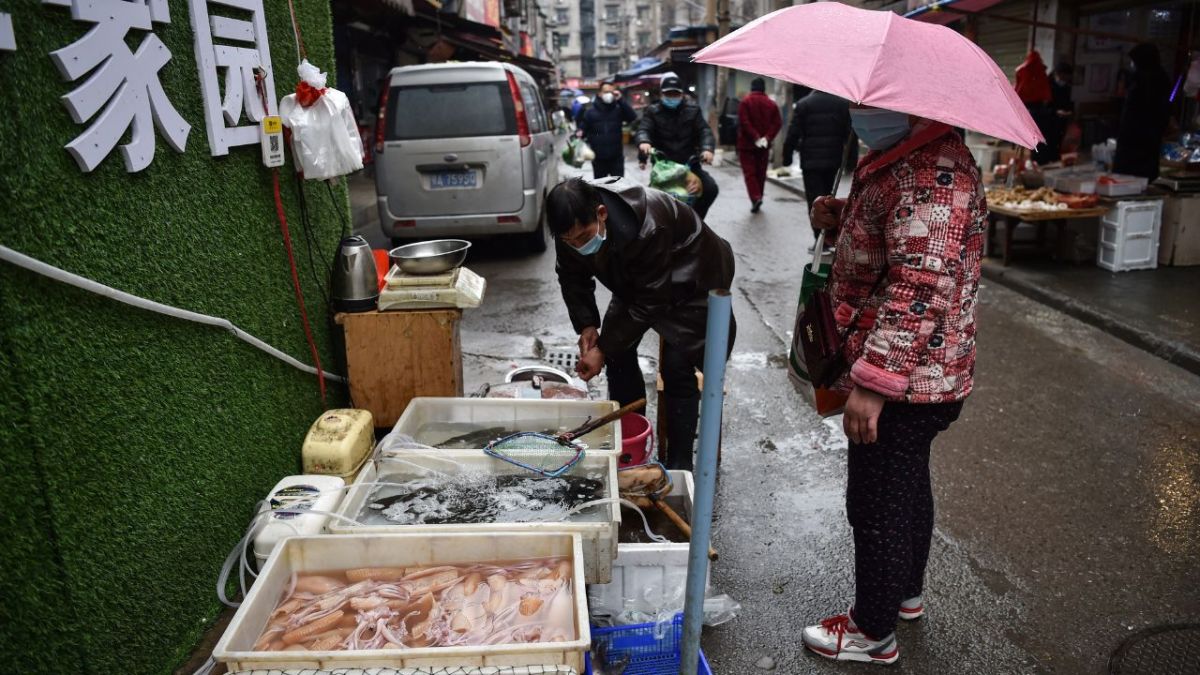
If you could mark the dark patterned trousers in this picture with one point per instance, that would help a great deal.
(889, 503)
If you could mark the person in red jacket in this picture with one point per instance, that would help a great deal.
(758, 124)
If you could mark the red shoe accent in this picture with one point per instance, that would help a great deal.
(884, 657)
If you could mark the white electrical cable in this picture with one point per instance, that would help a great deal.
(33, 265)
(624, 502)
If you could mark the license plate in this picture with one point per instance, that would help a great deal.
(444, 180)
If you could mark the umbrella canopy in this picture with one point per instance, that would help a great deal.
(880, 59)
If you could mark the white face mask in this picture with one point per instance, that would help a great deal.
(607, 97)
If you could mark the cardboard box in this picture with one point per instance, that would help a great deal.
(1180, 238)
(393, 357)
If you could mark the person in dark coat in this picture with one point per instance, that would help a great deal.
(1144, 116)
(758, 125)
(675, 127)
(659, 260)
(600, 125)
(819, 130)
(1063, 109)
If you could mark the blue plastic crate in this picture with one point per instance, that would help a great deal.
(649, 655)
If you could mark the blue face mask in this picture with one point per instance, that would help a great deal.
(879, 129)
(672, 103)
(593, 244)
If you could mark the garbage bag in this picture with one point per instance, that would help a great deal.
(672, 178)
(325, 138)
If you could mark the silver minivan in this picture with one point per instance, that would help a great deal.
(463, 149)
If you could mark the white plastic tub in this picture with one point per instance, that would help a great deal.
(512, 414)
(1129, 236)
(338, 552)
(1123, 187)
(599, 537)
(644, 572)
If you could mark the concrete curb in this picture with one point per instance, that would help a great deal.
(1176, 353)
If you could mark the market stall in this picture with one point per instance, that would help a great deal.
(526, 529)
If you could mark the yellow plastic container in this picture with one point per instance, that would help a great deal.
(338, 443)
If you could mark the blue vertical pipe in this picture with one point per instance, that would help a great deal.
(716, 344)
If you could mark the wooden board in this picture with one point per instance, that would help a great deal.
(393, 357)
(1034, 216)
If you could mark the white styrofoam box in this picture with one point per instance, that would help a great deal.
(306, 492)
(642, 567)
(1072, 179)
(484, 412)
(1072, 183)
(339, 552)
(457, 670)
(599, 537)
(1129, 235)
(1180, 240)
(1125, 186)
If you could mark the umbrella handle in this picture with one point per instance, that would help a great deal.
(815, 265)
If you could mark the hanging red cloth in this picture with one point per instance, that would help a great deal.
(1033, 85)
(306, 94)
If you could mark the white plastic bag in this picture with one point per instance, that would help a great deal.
(325, 137)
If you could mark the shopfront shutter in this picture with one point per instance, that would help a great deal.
(1007, 42)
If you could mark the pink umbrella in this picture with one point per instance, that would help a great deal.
(882, 60)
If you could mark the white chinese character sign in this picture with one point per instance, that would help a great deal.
(8, 41)
(122, 91)
(228, 44)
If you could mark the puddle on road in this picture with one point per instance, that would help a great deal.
(757, 360)
(1173, 478)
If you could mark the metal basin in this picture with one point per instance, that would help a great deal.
(430, 257)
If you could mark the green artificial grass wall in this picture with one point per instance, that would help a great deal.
(132, 445)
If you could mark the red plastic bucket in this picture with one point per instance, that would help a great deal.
(637, 440)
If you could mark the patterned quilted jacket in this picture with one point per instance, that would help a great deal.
(914, 224)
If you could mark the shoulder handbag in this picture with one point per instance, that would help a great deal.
(820, 339)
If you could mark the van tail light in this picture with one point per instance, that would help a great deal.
(403, 223)
(519, 106)
(381, 120)
(508, 219)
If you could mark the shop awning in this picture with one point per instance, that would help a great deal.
(934, 11)
(640, 68)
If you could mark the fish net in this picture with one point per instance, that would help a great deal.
(423, 670)
(539, 453)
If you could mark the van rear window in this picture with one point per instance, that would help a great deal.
(450, 111)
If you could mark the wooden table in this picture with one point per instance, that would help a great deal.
(1038, 218)
(393, 357)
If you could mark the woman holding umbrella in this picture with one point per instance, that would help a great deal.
(904, 283)
(905, 273)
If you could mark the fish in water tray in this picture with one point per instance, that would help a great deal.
(481, 498)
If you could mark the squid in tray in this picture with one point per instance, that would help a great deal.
(415, 607)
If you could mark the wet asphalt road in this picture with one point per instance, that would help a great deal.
(1068, 493)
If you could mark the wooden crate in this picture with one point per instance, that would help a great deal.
(393, 357)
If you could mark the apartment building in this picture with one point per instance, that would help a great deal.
(598, 38)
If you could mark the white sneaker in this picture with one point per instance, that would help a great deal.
(838, 638)
(912, 609)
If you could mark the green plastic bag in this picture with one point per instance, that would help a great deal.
(671, 178)
(576, 153)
